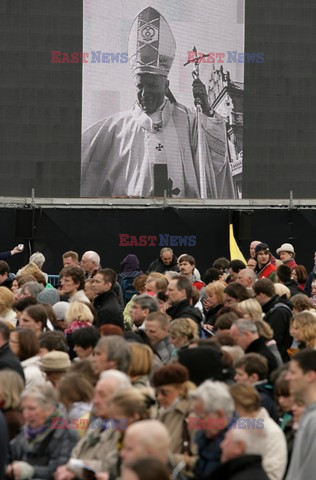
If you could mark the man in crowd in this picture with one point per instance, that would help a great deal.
(234, 268)
(8, 360)
(142, 306)
(112, 352)
(179, 292)
(105, 302)
(90, 263)
(286, 253)
(245, 334)
(311, 277)
(264, 268)
(214, 407)
(252, 248)
(166, 261)
(72, 283)
(187, 267)
(156, 328)
(284, 273)
(246, 277)
(153, 146)
(302, 381)
(6, 278)
(278, 314)
(70, 259)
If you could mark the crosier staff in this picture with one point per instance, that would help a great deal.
(202, 106)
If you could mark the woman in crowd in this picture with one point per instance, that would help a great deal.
(301, 302)
(303, 329)
(299, 273)
(7, 313)
(251, 308)
(214, 301)
(77, 316)
(141, 364)
(181, 333)
(75, 393)
(11, 388)
(235, 293)
(25, 344)
(247, 403)
(172, 390)
(39, 448)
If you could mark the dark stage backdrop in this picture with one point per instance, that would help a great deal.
(40, 102)
(203, 233)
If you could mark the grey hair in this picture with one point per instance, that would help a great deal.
(45, 395)
(123, 380)
(248, 273)
(37, 258)
(215, 396)
(117, 350)
(172, 274)
(255, 439)
(93, 256)
(147, 301)
(244, 325)
(34, 288)
(166, 249)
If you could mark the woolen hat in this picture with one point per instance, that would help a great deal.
(55, 361)
(174, 373)
(285, 247)
(48, 295)
(262, 246)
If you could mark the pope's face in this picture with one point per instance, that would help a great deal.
(151, 91)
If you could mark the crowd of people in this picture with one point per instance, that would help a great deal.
(161, 374)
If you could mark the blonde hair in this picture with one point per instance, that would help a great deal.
(281, 289)
(79, 312)
(252, 308)
(131, 401)
(218, 288)
(185, 327)
(306, 322)
(32, 269)
(264, 329)
(6, 299)
(141, 361)
(11, 388)
(246, 396)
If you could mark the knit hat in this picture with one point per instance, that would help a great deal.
(60, 309)
(262, 246)
(55, 361)
(174, 373)
(285, 247)
(48, 295)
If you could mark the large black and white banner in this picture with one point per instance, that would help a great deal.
(143, 135)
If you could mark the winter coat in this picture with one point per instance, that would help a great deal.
(183, 309)
(158, 266)
(278, 313)
(259, 346)
(100, 449)
(9, 360)
(108, 309)
(175, 419)
(245, 467)
(33, 373)
(45, 453)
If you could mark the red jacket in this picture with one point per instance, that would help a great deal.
(267, 271)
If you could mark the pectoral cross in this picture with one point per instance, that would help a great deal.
(159, 147)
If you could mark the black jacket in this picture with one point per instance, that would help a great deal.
(108, 309)
(158, 266)
(308, 287)
(184, 309)
(246, 467)
(292, 285)
(278, 313)
(259, 346)
(9, 360)
(211, 314)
